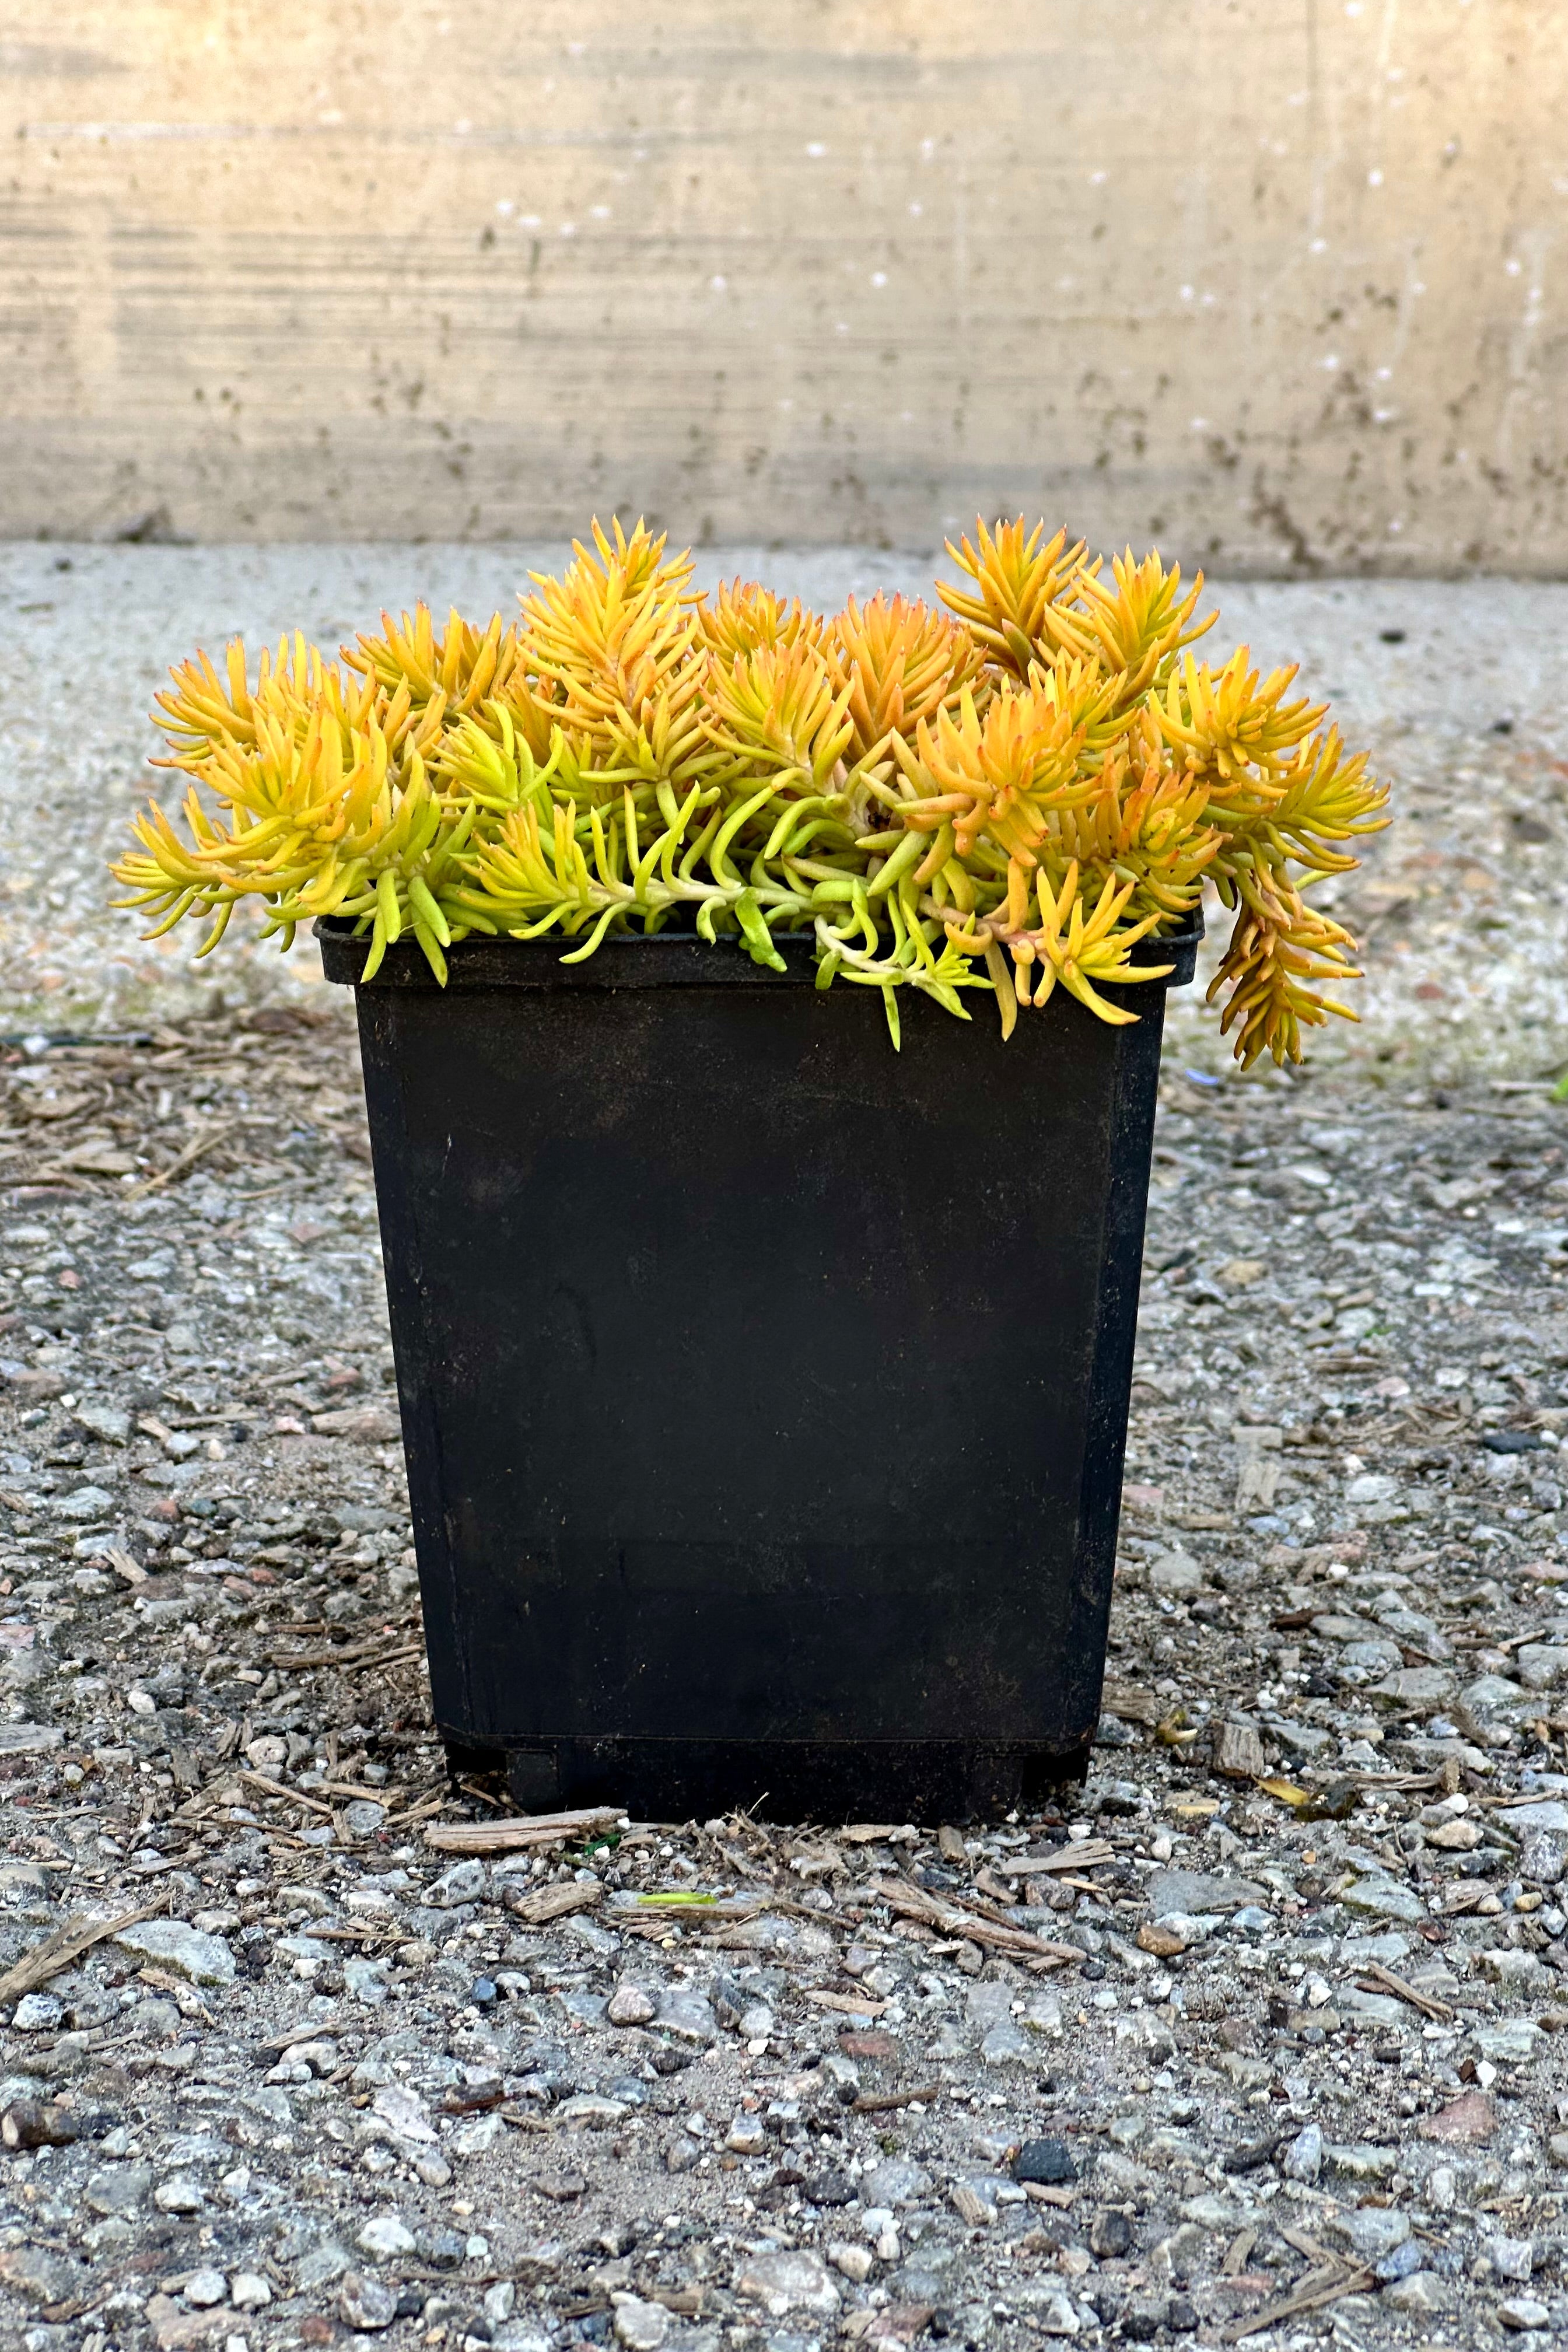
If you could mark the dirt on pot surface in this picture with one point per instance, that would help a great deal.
(1259, 2029)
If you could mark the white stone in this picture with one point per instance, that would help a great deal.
(1373, 2231)
(105, 1421)
(477, 2135)
(640, 2326)
(1519, 1970)
(1175, 1573)
(1422, 2292)
(36, 2012)
(249, 2291)
(1511, 2043)
(1522, 2311)
(1545, 1813)
(795, 2281)
(1058, 2317)
(203, 2288)
(175, 1944)
(365, 1980)
(384, 2235)
(855, 2262)
(687, 2012)
(1492, 1695)
(406, 2111)
(1541, 1664)
(588, 2111)
(178, 2194)
(84, 1502)
(1007, 2045)
(1385, 1898)
(367, 2304)
(464, 1883)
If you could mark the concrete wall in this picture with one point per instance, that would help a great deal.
(1277, 282)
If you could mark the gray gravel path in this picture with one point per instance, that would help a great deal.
(1300, 2067)
(1292, 2063)
(1462, 902)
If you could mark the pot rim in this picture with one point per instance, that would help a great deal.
(622, 959)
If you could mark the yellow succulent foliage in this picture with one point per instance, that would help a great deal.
(780, 708)
(901, 663)
(1012, 795)
(744, 616)
(462, 669)
(1021, 593)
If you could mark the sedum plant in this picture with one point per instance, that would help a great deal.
(1010, 794)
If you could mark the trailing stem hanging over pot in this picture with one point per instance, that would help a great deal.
(1009, 796)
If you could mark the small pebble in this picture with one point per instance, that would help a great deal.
(366, 2303)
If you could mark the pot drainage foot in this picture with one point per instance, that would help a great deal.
(534, 1779)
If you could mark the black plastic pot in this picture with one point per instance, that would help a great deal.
(764, 1391)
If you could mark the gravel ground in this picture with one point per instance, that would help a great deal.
(1258, 2030)
(1459, 689)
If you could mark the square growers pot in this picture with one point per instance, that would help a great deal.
(764, 1390)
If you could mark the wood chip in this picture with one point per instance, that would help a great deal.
(1310, 2246)
(360, 1656)
(965, 1921)
(419, 1812)
(1087, 1854)
(187, 1159)
(1238, 1752)
(1376, 1978)
(521, 1833)
(57, 1952)
(267, 2053)
(554, 1902)
(384, 1934)
(1318, 2288)
(847, 2004)
(883, 2103)
(272, 1787)
(987, 1883)
(1129, 1703)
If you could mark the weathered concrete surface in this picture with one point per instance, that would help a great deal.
(1462, 903)
(1275, 283)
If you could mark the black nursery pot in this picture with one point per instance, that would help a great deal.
(764, 1391)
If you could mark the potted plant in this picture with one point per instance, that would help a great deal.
(764, 1389)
